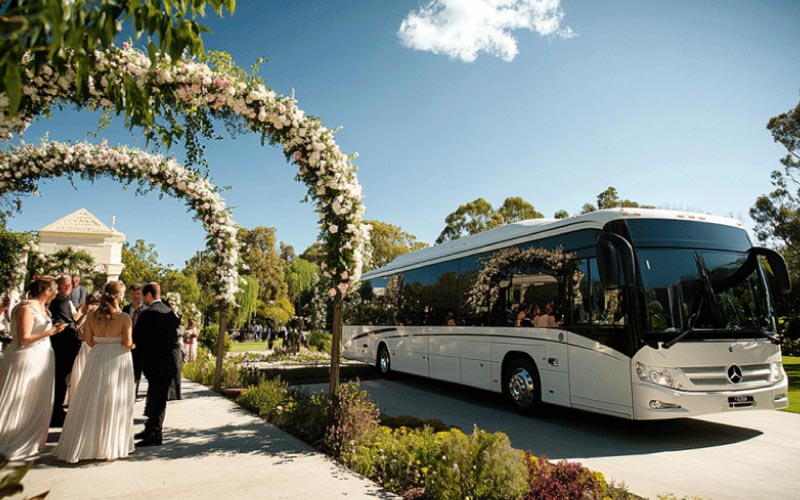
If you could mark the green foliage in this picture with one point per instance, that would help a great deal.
(445, 465)
(51, 31)
(66, 261)
(141, 263)
(561, 214)
(11, 476)
(260, 259)
(777, 215)
(792, 366)
(610, 199)
(12, 246)
(246, 301)
(301, 276)
(411, 422)
(315, 253)
(209, 336)
(305, 416)
(265, 399)
(389, 242)
(185, 284)
(354, 415)
(277, 312)
(479, 215)
(320, 341)
(479, 466)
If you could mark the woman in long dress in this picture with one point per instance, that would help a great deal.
(99, 424)
(80, 360)
(27, 374)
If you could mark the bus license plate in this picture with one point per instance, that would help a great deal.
(740, 399)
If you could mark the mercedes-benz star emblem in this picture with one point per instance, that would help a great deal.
(734, 374)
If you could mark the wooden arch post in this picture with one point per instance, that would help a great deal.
(223, 326)
(336, 342)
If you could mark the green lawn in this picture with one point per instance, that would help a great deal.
(253, 346)
(792, 366)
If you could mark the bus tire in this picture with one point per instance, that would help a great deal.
(384, 361)
(522, 386)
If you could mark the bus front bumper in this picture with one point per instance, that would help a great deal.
(653, 402)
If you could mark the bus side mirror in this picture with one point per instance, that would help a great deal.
(778, 266)
(608, 265)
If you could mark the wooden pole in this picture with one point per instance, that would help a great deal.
(336, 343)
(223, 320)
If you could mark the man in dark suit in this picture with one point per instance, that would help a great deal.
(157, 334)
(134, 310)
(65, 346)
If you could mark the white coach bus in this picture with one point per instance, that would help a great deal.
(641, 314)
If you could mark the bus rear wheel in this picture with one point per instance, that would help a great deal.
(384, 362)
(521, 384)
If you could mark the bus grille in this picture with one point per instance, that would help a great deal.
(716, 377)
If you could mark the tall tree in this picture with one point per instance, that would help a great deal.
(184, 283)
(610, 199)
(515, 209)
(141, 263)
(777, 215)
(389, 242)
(561, 214)
(262, 261)
(301, 276)
(315, 253)
(246, 302)
(479, 215)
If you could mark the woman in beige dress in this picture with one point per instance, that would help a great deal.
(27, 374)
(99, 424)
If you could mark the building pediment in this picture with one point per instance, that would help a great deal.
(80, 221)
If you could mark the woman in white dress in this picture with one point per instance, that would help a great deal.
(80, 360)
(27, 374)
(99, 424)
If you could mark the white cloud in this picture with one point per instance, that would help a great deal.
(462, 29)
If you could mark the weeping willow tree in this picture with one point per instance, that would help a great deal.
(246, 300)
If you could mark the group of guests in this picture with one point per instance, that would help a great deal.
(532, 315)
(102, 349)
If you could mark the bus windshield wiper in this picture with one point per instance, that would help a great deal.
(690, 329)
(707, 295)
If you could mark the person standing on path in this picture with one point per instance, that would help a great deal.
(134, 310)
(65, 346)
(157, 330)
(26, 374)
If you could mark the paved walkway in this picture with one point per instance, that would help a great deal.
(212, 449)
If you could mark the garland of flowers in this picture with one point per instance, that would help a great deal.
(121, 76)
(504, 263)
(21, 167)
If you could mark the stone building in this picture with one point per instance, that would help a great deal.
(81, 230)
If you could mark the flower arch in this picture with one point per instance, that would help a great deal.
(121, 76)
(22, 167)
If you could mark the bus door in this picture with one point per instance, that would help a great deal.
(600, 371)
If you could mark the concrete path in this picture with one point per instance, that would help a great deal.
(212, 449)
(742, 455)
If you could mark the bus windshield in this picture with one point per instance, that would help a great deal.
(701, 277)
(713, 290)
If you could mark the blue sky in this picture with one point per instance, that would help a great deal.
(666, 101)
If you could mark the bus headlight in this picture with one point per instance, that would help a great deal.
(667, 377)
(775, 372)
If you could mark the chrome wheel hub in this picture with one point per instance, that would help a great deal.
(521, 387)
(384, 361)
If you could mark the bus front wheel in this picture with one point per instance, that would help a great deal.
(384, 363)
(521, 384)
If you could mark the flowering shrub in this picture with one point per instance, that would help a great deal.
(568, 481)
(305, 416)
(190, 88)
(478, 466)
(21, 167)
(265, 399)
(353, 415)
(15, 249)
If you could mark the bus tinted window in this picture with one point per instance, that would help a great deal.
(683, 233)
